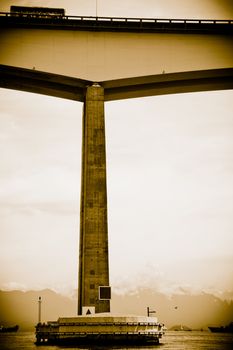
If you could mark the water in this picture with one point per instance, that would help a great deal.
(171, 341)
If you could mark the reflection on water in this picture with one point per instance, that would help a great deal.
(171, 341)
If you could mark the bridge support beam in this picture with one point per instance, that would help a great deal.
(93, 250)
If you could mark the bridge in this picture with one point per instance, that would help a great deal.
(98, 59)
(129, 57)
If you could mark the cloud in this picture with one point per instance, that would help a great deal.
(44, 190)
(13, 286)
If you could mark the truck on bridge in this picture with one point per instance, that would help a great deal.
(29, 11)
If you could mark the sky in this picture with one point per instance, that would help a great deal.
(169, 178)
(136, 8)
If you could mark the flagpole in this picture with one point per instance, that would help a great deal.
(39, 310)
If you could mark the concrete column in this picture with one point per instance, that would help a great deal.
(93, 250)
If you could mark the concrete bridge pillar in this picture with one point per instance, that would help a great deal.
(93, 250)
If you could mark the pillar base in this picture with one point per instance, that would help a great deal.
(101, 329)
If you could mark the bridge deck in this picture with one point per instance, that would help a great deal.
(129, 57)
(118, 24)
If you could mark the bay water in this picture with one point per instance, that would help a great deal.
(171, 341)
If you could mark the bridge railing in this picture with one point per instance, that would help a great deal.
(120, 19)
(117, 24)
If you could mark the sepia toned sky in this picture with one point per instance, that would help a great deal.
(170, 178)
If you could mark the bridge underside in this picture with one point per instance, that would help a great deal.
(74, 89)
(103, 52)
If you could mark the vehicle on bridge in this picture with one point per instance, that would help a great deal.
(28, 11)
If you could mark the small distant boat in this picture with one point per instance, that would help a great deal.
(180, 327)
(222, 329)
(9, 329)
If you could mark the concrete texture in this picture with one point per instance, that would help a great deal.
(93, 251)
(100, 56)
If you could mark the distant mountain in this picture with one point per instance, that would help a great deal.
(17, 307)
(194, 311)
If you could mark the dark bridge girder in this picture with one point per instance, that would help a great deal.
(117, 24)
(30, 80)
